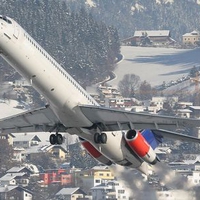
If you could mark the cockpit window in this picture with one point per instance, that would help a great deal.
(5, 19)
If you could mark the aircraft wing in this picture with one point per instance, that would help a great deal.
(42, 119)
(162, 126)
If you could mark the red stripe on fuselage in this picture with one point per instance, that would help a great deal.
(91, 149)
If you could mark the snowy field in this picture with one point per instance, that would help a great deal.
(156, 65)
(8, 108)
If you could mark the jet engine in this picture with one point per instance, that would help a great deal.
(140, 146)
(95, 153)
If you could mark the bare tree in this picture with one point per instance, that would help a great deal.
(145, 91)
(129, 84)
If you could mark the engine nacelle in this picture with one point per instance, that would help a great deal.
(140, 146)
(95, 153)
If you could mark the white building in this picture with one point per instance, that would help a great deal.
(22, 83)
(159, 101)
(15, 179)
(70, 193)
(191, 38)
(26, 140)
(15, 192)
(195, 177)
(19, 154)
(109, 190)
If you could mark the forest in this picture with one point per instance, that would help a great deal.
(84, 36)
(129, 15)
(87, 49)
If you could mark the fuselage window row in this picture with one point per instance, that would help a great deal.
(5, 19)
(58, 67)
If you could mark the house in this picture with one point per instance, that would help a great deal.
(194, 178)
(22, 83)
(192, 38)
(21, 179)
(15, 192)
(26, 140)
(19, 154)
(66, 179)
(109, 190)
(108, 92)
(20, 169)
(162, 152)
(183, 105)
(195, 111)
(183, 113)
(7, 136)
(57, 151)
(120, 102)
(89, 178)
(52, 176)
(70, 194)
(150, 37)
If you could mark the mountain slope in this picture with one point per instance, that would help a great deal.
(130, 15)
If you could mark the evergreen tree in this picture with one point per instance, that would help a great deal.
(73, 38)
(6, 155)
(79, 157)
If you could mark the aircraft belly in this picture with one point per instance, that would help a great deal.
(115, 149)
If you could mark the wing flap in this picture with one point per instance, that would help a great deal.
(42, 119)
(111, 119)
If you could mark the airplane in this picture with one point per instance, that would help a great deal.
(110, 136)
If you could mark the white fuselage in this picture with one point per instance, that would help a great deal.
(62, 92)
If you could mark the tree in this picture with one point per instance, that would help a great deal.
(85, 47)
(145, 40)
(6, 155)
(44, 160)
(167, 109)
(79, 157)
(196, 98)
(145, 91)
(128, 85)
(194, 72)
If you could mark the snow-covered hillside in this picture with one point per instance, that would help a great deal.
(156, 65)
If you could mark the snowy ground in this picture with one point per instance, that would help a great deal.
(156, 65)
(7, 108)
